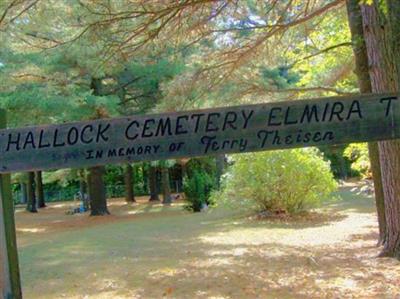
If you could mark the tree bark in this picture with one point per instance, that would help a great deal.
(364, 83)
(96, 187)
(153, 184)
(129, 181)
(31, 204)
(39, 189)
(167, 199)
(384, 59)
(97, 191)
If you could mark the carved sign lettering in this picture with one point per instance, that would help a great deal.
(237, 129)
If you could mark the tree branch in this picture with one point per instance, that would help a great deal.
(345, 44)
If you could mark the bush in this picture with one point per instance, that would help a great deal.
(197, 188)
(287, 181)
(203, 164)
(358, 155)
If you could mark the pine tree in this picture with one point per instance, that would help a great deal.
(381, 33)
(364, 82)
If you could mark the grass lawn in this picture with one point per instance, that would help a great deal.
(152, 251)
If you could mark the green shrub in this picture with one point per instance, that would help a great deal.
(287, 181)
(197, 188)
(358, 155)
(202, 164)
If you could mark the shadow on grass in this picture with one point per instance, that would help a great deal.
(178, 261)
(219, 254)
(345, 200)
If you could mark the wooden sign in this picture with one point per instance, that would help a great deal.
(237, 129)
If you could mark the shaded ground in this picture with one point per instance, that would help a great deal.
(151, 251)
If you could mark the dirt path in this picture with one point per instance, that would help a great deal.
(151, 251)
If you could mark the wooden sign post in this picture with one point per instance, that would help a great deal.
(10, 286)
(249, 128)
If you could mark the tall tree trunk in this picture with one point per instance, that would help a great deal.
(31, 204)
(153, 184)
(39, 189)
(220, 163)
(97, 191)
(364, 83)
(24, 197)
(167, 199)
(382, 43)
(129, 180)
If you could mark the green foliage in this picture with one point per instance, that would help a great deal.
(199, 182)
(114, 175)
(280, 78)
(340, 165)
(204, 164)
(285, 180)
(357, 153)
(35, 97)
(114, 179)
(61, 178)
(197, 188)
(63, 184)
(142, 81)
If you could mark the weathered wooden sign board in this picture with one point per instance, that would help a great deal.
(247, 128)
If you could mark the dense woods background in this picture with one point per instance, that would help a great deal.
(75, 60)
